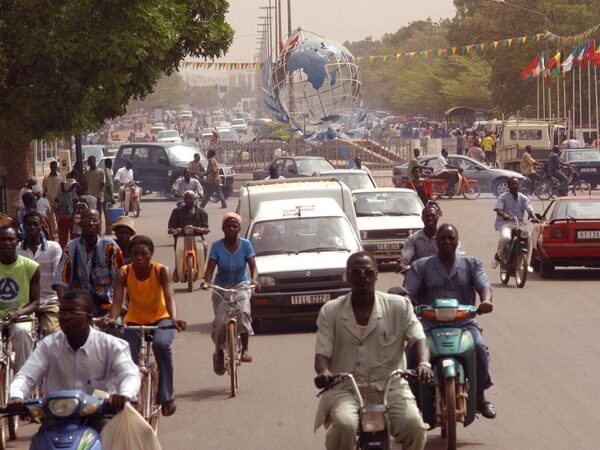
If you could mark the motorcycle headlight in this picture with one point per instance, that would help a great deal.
(372, 422)
(188, 229)
(445, 314)
(266, 280)
(63, 407)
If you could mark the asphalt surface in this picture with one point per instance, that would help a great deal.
(541, 338)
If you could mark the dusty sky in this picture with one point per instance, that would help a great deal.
(340, 20)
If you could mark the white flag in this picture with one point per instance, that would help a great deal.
(568, 64)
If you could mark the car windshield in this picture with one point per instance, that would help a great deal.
(310, 166)
(228, 134)
(185, 154)
(583, 155)
(354, 180)
(168, 134)
(303, 235)
(387, 204)
(577, 209)
(238, 122)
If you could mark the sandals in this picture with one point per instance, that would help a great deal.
(169, 408)
(246, 357)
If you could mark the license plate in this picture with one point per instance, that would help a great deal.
(588, 169)
(389, 246)
(588, 235)
(310, 299)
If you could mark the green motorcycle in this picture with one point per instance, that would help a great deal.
(451, 398)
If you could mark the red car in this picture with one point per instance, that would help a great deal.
(568, 235)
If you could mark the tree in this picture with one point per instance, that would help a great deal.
(170, 92)
(70, 65)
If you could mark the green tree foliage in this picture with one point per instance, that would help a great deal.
(72, 64)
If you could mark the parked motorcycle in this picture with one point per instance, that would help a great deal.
(451, 398)
(133, 193)
(373, 426)
(64, 416)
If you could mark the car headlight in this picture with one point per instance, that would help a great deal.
(266, 280)
(63, 407)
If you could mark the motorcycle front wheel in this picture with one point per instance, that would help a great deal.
(136, 208)
(504, 273)
(450, 412)
(472, 192)
(190, 273)
(521, 269)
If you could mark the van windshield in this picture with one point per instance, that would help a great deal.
(185, 154)
(168, 134)
(303, 235)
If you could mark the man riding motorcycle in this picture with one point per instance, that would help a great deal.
(186, 183)
(510, 210)
(187, 214)
(448, 275)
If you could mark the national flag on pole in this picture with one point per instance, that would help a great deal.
(527, 71)
(567, 65)
(595, 59)
(554, 65)
(540, 68)
(578, 58)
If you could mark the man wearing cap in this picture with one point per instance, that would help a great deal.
(124, 229)
(186, 214)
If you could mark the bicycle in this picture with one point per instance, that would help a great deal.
(146, 404)
(233, 343)
(7, 373)
(549, 187)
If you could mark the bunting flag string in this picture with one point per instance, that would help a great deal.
(220, 66)
(561, 41)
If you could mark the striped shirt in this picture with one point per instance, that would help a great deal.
(418, 245)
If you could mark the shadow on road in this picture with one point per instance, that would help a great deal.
(285, 327)
(206, 393)
(569, 274)
(435, 442)
(204, 328)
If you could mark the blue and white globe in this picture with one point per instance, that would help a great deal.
(315, 80)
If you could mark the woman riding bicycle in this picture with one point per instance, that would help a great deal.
(151, 302)
(231, 255)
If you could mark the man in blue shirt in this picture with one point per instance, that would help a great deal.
(554, 165)
(510, 212)
(448, 275)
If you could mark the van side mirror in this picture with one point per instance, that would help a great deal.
(162, 160)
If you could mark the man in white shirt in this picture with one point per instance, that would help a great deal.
(78, 357)
(123, 176)
(358, 163)
(47, 254)
(187, 183)
(440, 170)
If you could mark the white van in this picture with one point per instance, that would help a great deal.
(303, 233)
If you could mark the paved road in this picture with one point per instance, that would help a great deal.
(543, 353)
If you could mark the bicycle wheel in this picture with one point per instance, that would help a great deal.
(543, 191)
(13, 421)
(2, 402)
(231, 355)
(582, 188)
(472, 192)
(190, 273)
(521, 269)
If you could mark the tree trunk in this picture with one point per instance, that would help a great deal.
(17, 163)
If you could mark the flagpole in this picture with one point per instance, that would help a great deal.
(558, 94)
(596, 95)
(580, 102)
(573, 110)
(538, 97)
(543, 96)
(589, 97)
(564, 80)
(550, 99)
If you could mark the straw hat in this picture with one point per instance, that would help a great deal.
(124, 221)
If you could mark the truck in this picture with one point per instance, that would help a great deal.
(303, 232)
(515, 134)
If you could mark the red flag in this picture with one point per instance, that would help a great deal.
(529, 69)
(281, 44)
(595, 59)
(214, 138)
(589, 54)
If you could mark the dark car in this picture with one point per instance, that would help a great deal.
(296, 166)
(158, 164)
(586, 160)
(489, 180)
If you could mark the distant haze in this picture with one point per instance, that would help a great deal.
(340, 20)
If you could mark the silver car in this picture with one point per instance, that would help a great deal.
(489, 179)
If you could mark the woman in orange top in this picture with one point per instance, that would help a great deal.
(151, 302)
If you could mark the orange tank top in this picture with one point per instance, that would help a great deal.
(146, 298)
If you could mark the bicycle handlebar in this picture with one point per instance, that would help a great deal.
(143, 327)
(229, 290)
(22, 319)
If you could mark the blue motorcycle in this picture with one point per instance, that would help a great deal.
(66, 416)
(451, 398)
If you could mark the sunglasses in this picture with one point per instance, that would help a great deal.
(369, 273)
